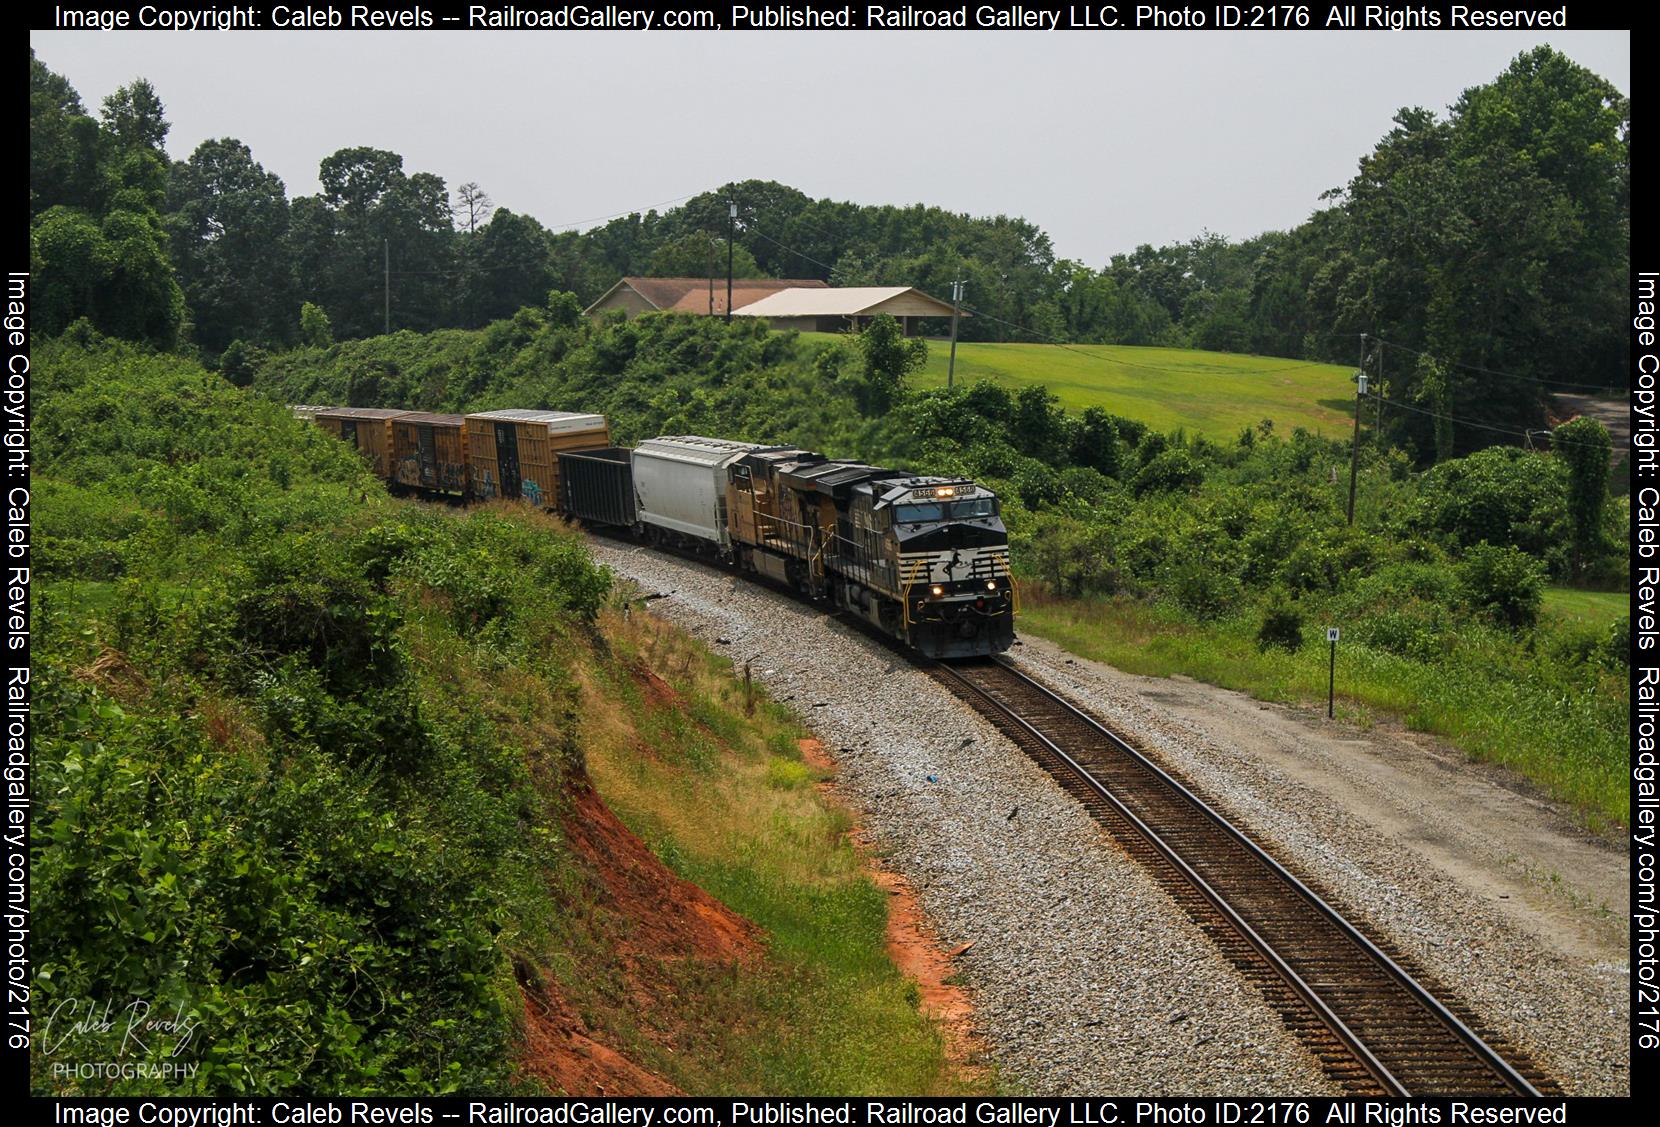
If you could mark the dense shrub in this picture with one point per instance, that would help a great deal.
(1282, 627)
(1502, 496)
(275, 794)
(1204, 591)
(1172, 471)
(1505, 584)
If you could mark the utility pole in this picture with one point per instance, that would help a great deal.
(1378, 419)
(386, 285)
(956, 300)
(731, 231)
(709, 269)
(1354, 447)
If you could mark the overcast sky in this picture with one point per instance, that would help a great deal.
(1103, 140)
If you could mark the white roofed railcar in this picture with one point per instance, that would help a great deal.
(680, 484)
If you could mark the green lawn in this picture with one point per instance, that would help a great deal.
(1591, 608)
(1212, 393)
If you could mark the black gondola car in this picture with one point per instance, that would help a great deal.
(597, 486)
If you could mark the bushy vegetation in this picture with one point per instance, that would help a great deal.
(258, 807)
(302, 764)
(651, 375)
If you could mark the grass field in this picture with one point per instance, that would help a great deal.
(1589, 608)
(1212, 393)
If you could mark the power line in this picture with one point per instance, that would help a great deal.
(620, 214)
(799, 254)
(1487, 371)
(1522, 434)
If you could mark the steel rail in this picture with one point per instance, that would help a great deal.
(1309, 994)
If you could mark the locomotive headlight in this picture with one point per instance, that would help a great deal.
(991, 585)
(937, 590)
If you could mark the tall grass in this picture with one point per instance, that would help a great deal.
(714, 782)
(1497, 700)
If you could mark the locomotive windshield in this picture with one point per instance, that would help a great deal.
(947, 510)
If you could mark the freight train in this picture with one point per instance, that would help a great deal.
(923, 559)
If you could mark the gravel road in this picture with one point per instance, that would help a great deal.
(1086, 977)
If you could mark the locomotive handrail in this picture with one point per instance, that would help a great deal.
(1014, 588)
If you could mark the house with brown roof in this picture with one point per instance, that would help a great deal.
(691, 295)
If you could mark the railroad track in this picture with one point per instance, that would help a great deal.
(1372, 1025)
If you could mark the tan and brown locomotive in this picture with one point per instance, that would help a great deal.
(924, 559)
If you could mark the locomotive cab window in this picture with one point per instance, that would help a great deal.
(916, 514)
(946, 510)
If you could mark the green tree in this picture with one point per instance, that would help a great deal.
(229, 226)
(699, 255)
(139, 297)
(370, 211)
(315, 330)
(509, 260)
(889, 356)
(1431, 390)
(240, 361)
(134, 118)
(1039, 429)
(1583, 444)
(564, 309)
(68, 256)
(1505, 584)
(1095, 442)
(1502, 496)
(63, 144)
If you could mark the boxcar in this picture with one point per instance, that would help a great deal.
(429, 453)
(369, 429)
(516, 453)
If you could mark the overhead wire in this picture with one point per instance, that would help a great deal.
(1478, 368)
(1522, 434)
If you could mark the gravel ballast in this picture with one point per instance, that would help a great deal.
(1497, 894)
(1086, 977)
